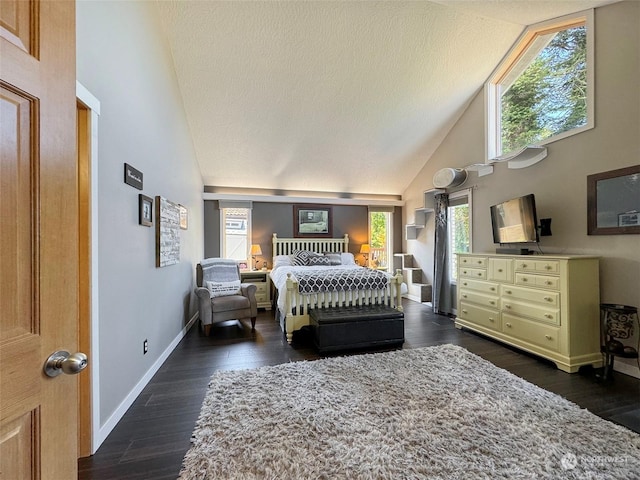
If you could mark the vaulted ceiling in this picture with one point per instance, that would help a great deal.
(341, 96)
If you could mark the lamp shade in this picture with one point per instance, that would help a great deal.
(256, 250)
(365, 248)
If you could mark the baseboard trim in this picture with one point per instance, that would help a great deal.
(415, 298)
(117, 415)
(627, 368)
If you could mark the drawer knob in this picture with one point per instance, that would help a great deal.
(548, 315)
(508, 325)
(491, 319)
(548, 299)
(464, 283)
(464, 271)
(493, 289)
(507, 306)
(508, 292)
(548, 337)
(548, 282)
(479, 274)
(524, 265)
(464, 295)
(525, 279)
(499, 270)
(479, 262)
(464, 261)
(548, 267)
(464, 311)
(492, 302)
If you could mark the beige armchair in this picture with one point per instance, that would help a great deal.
(221, 295)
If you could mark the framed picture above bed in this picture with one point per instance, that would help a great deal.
(312, 221)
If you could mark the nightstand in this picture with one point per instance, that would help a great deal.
(262, 282)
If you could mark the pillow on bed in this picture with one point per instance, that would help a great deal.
(318, 260)
(223, 289)
(281, 261)
(301, 257)
(334, 258)
(347, 258)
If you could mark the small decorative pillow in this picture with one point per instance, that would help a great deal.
(301, 257)
(223, 289)
(318, 260)
(334, 258)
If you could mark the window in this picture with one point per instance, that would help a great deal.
(543, 90)
(236, 232)
(380, 237)
(459, 229)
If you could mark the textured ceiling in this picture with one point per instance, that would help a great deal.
(334, 96)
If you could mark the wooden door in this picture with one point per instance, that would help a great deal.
(38, 238)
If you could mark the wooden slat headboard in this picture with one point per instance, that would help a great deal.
(286, 246)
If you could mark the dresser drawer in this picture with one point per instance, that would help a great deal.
(480, 316)
(490, 301)
(472, 261)
(261, 297)
(536, 333)
(472, 273)
(540, 266)
(534, 280)
(531, 295)
(486, 287)
(548, 315)
(501, 269)
(261, 287)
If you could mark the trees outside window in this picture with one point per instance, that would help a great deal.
(543, 90)
(380, 235)
(459, 233)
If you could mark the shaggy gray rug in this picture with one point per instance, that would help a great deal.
(436, 412)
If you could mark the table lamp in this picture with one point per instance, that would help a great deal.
(255, 250)
(365, 249)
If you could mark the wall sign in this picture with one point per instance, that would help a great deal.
(167, 232)
(132, 176)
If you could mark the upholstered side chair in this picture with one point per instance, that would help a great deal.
(221, 295)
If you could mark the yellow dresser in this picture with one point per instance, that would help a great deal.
(545, 304)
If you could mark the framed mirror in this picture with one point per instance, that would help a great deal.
(613, 202)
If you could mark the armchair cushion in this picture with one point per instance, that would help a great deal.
(229, 303)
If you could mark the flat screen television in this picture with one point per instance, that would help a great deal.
(515, 221)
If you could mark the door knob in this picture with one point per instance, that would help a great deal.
(61, 362)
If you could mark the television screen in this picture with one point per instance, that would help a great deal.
(515, 220)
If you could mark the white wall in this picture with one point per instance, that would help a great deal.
(123, 60)
(559, 181)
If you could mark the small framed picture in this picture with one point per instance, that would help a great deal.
(184, 217)
(629, 219)
(145, 206)
(242, 265)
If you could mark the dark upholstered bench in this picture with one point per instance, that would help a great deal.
(344, 328)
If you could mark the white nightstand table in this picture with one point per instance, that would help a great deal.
(262, 282)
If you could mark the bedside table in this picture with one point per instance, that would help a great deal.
(262, 282)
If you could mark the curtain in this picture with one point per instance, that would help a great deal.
(441, 282)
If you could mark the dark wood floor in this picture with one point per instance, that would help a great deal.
(152, 438)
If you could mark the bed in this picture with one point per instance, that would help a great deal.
(312, 273)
